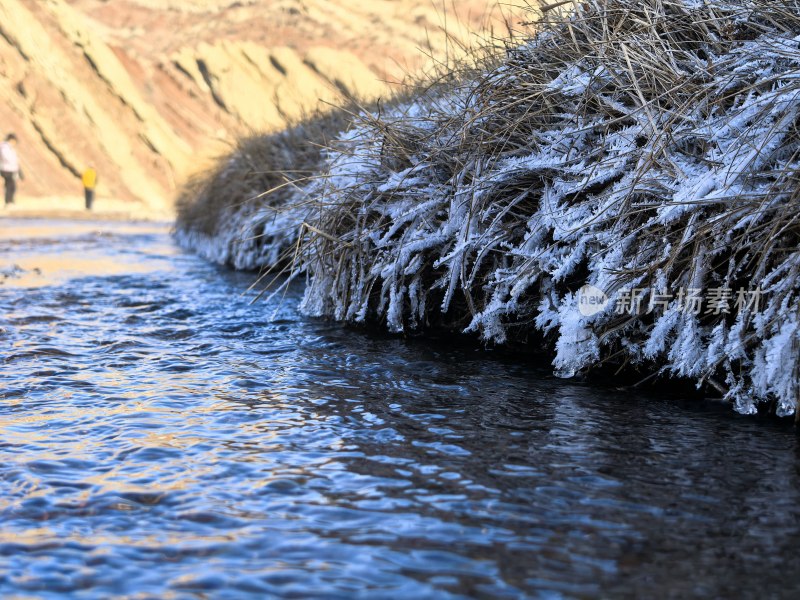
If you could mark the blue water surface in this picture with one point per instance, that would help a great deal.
(161, 436)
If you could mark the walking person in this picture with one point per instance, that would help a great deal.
(9, 167)
(89, 181)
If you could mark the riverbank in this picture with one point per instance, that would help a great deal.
(623, 187)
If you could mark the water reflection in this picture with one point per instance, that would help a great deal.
(38, 253)
(159, 435)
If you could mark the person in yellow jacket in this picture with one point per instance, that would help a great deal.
(89, 180)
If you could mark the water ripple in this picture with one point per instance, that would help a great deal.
(160, 436)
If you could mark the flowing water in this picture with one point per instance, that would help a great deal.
(162, 437)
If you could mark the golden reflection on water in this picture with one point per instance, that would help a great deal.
(20, 229)
(45, 257)
(99, 540)
(49, 270)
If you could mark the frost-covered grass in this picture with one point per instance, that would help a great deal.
(649, 149)
(649, 144)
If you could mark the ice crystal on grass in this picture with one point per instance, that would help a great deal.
(651, 145)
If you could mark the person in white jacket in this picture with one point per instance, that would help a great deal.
(9, 166)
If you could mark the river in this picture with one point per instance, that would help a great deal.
(161, 436)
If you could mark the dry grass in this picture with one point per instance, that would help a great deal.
(224, 213)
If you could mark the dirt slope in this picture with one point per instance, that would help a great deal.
(148, 90)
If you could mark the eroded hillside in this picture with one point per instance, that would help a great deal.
(148, 90)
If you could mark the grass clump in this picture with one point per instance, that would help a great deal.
(647, 148)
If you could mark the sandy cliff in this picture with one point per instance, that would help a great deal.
(148, 90)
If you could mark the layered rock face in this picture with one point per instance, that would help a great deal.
(148, 91)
